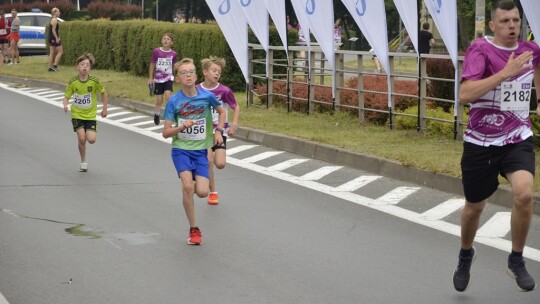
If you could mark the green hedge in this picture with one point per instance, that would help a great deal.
(127, 45)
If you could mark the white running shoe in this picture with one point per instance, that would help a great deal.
(84, 167)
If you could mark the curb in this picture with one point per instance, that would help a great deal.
(331, 154)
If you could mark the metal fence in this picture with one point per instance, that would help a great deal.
(292, 73)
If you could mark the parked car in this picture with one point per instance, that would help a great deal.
(32, 31)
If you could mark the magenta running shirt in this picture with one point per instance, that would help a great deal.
(225, 95)
(164, 61)
(488, 125)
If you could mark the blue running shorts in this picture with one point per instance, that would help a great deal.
(195, 161)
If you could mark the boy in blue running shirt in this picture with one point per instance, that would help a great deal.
(188, 120)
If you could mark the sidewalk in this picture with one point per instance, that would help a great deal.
(376, 165)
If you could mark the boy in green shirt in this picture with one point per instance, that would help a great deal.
(84, 88)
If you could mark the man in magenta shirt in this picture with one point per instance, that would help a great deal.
(497, 78)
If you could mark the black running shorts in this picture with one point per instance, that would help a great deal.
(88, 125)
(160, 88)
(481, 166)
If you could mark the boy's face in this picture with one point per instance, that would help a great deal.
(84, 67)
(186, 75)
(213, 73)
(166, 41)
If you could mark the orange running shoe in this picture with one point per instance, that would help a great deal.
(195, 236)
(213, 198)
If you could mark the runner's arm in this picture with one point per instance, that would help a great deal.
(471, 90)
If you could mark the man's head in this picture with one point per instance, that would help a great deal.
(505, 23)
(425, 26)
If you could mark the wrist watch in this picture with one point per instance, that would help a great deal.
(220, 130)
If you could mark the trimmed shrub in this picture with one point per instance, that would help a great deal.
(434, 127)
(349, 98)
(113, 10)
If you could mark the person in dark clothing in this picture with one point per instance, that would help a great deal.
(425, 39)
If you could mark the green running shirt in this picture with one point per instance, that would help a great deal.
(84, 94)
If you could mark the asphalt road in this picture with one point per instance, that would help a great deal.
(117, 234)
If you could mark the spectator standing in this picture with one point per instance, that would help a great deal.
(5, 30)
(14, 37)
(55, 44)
(425, 40)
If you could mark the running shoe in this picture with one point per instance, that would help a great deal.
(195, 236)
(213, 198)
(84, 167)
(516, 270)
(51, 69)
(156, 119)
(462, 274)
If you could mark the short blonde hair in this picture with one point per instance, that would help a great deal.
(85, 56)
(54, 10)
(207, 62)
(183, 62)
(170, 35)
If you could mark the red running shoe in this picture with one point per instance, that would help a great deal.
(195, 236)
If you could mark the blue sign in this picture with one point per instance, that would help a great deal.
(438, 5)
(245, 3)
(361, 9)
(310, 7)
(225, 7)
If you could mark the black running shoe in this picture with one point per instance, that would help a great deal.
(516, 270)
(51, 69)
(462, 275)
(156, 119)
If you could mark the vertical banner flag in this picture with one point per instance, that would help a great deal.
(408, 12)
(371, 19)
(298, 6)
(320, 15)
(444, 13)
(276, 8)
(257, 18)
(531, 9)
(233, 24)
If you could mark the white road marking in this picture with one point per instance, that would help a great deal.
(261, 156)
(319, 173)
(499, 243)
(142, 123)
(154, 128)
(397, 195)
(3, 300)
(130, 118)
(497, 226)
(239, 149)
(444, 209)
(287, 164)
(118, 114)
(53, 95)
(357, 183)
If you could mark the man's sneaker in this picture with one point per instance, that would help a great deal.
(51, 69)
(516, 270)
(195, 236)
(84, 167)
(156, 119)
(462, 274)
(213, 198)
